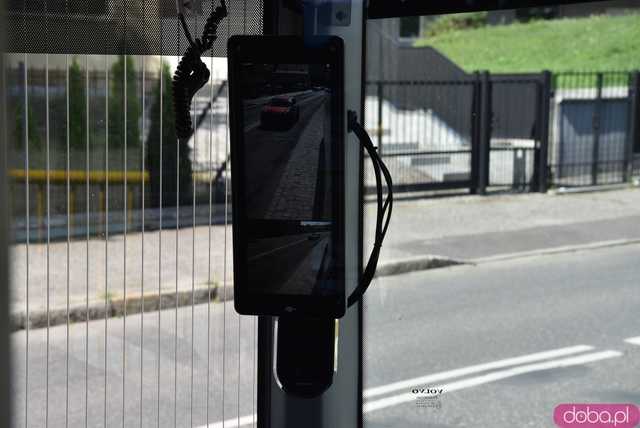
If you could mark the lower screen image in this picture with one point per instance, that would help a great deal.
(288, 178)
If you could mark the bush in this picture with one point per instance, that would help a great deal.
(458, 21)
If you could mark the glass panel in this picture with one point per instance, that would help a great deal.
(494, 302)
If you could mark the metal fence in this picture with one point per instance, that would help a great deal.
(464, 134)
(592, 128)
(515, 132)
(121, 255)
(423, 131)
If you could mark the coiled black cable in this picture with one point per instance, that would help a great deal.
(191, 73)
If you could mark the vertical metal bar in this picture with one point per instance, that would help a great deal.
(48, 283)
(224, 269)
(209, 177)
(193, 262)
(543, 123)
(124, 255)
(106, 231)
(161, 208)
(142, 226)
(161, 74)
(68, 178)
(193, 243)
(244, 31)
(265, 368)
(254, 369)
(5, 353)
(634, 122)
(596, 131)
(28, 236)
(485, 133)
(475, 132)
(380, 133)
(142, 221)
(86, 352)
(175, 337)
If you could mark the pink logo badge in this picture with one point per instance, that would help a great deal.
(596, 415)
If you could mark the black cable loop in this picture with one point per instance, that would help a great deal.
(191, 73)
(384, 210)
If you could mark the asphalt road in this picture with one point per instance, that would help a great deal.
(580, 305)
(178, 372)
(283, 166)
(267, 154)
(291, 263)
(430, 323)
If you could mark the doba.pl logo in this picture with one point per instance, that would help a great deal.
(596, 415)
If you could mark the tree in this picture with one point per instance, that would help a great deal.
(35, 141)
(77, 107)
(171, 150)
(117, 103)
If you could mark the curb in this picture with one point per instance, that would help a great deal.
(117, 307)
(397, 267)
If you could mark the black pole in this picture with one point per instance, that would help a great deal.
(595, 157)
(380, 117)
(484, 149)
(476, 96)
(272, 10)
(633, 141)
(545, 107)
(265, 370)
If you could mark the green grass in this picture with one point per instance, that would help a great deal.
(598, 43)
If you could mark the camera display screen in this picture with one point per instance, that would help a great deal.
(289, 169)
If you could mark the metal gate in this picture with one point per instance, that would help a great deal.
(424, 131)
(593, 129)
(479, 133)
(518, 133)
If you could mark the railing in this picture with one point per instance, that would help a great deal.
(515, 132)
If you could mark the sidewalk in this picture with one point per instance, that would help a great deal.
(475, 227)
(463, 228)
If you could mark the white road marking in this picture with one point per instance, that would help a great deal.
(436, 377)
(374, 405)
(633, 340)
(275, 250)
(494, 376)
(556, 250)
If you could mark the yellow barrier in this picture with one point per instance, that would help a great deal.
(40, 175)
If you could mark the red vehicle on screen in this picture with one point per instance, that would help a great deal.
(279, 113)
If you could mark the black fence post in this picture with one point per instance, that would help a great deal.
(379, 130)
(543, 152)
(484, 146)
(595, 157)
(476, 96)
(633, 142)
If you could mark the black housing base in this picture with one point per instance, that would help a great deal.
(305, 349)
